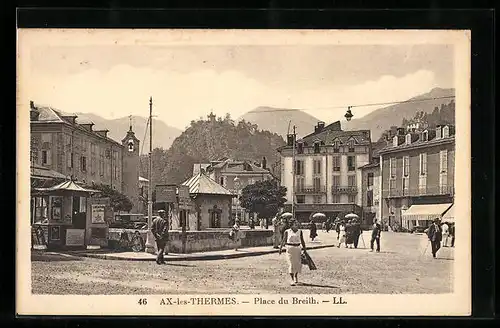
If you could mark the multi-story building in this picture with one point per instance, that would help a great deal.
(417, 176)
(328, 172)
(235, 175)
(63, 143)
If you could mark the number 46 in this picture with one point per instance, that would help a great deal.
(143, 301)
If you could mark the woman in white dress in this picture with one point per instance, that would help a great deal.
(342, 238)
(293, 239)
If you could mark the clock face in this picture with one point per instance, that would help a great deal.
(131, 145)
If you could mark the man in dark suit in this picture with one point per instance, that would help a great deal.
(377, 229)
(159, 228)
(357, 232)
(435, 235)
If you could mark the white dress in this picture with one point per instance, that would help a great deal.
(342, 234)
(293, 251)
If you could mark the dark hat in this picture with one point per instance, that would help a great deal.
(437, 220)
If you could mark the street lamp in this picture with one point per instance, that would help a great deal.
(348, 115)
(237, 186)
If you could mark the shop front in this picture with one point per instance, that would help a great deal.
(61, 216)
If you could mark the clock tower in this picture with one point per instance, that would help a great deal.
(131, 166)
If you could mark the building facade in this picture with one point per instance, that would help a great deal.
(328, 175)
(235, 175)
(63, 143)
(417, 168)
(370, 196)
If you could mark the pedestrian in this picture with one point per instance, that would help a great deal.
(446, 232)
(323, 226)
(337, 227)
(377, 229)
(349, 234)
(159, 228)
(236, 233)
(293, 239)
(356, 232)
(251, 223)
(452, 234)
(341, 235)
(328, 224)
(435, 236)
(312, 230)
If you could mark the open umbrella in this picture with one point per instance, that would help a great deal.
(352, 216)
(319, 215)
(286, 215)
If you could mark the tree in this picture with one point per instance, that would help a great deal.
(263, 197)
(119, 202)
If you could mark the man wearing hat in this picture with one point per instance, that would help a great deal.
(159, 228)
(435, 235)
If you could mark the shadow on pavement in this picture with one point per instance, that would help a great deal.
(316, 285)
(180, 265)
(37, 257)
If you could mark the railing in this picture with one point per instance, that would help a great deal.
(310, 189)
(344, 189)
(415, 192)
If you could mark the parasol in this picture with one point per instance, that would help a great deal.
(286, 215)
(351, 216)
(319, 215)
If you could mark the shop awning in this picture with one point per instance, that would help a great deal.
(68, 186)
(426, 212)
(449, 216)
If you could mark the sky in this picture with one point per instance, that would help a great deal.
(188, 81)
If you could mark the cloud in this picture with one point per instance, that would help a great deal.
(179, 98)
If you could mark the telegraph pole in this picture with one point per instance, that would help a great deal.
(293, 173)
(150, 248)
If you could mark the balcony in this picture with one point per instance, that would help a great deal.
(303, 190)
(417, 192)
(344, 189)
(324, 208)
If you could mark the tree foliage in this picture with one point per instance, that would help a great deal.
(119, 202)
(263, 197)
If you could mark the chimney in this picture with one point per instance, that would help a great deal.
(34, 113)
(319, 127)
(264, 163)
(401, 131)
(102, 133)
(290, 140)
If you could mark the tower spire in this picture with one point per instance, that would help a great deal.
(130, 120)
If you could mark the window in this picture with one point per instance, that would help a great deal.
(351, 180)
(300, 148)
(392, 168)
(336, 163)
(299, 167)
(316, 147)
(222, 181)
(336, 146)
(392, 184)
(317, 166)
(336, 180)
(299, 183)
(370, 179)
(406, 182)
(336, 199)
(83, 165)
(44, 157)
(41, 209)
(301, 199)
(395, 141)
(92, 166)
(351, 163)
(317, 184)
(317, 199)
(425, 136)
(351, 199)
(351, 146)
(446, 131)
(443, 161)
(423, 164)
(408, 139)
(369, 198)
(406, 166)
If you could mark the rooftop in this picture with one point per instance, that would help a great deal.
(201, 184)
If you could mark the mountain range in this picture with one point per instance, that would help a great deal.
(163, 135)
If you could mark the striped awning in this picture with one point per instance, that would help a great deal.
(449, 216)
(426, 212)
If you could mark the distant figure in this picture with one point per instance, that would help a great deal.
(342, 237)
(262, 223)
(435, 236)
(277, 233)
(452, 234)
(236, 233)
(446, 232)
(323, 226)
(159, 228)
(251, 223)
(337, 227)
(328, 224)
(312, 230)
(377, 229)
(356, 231)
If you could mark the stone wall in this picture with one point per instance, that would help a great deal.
(202, 241)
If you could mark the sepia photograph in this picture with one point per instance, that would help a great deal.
(269, 172)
